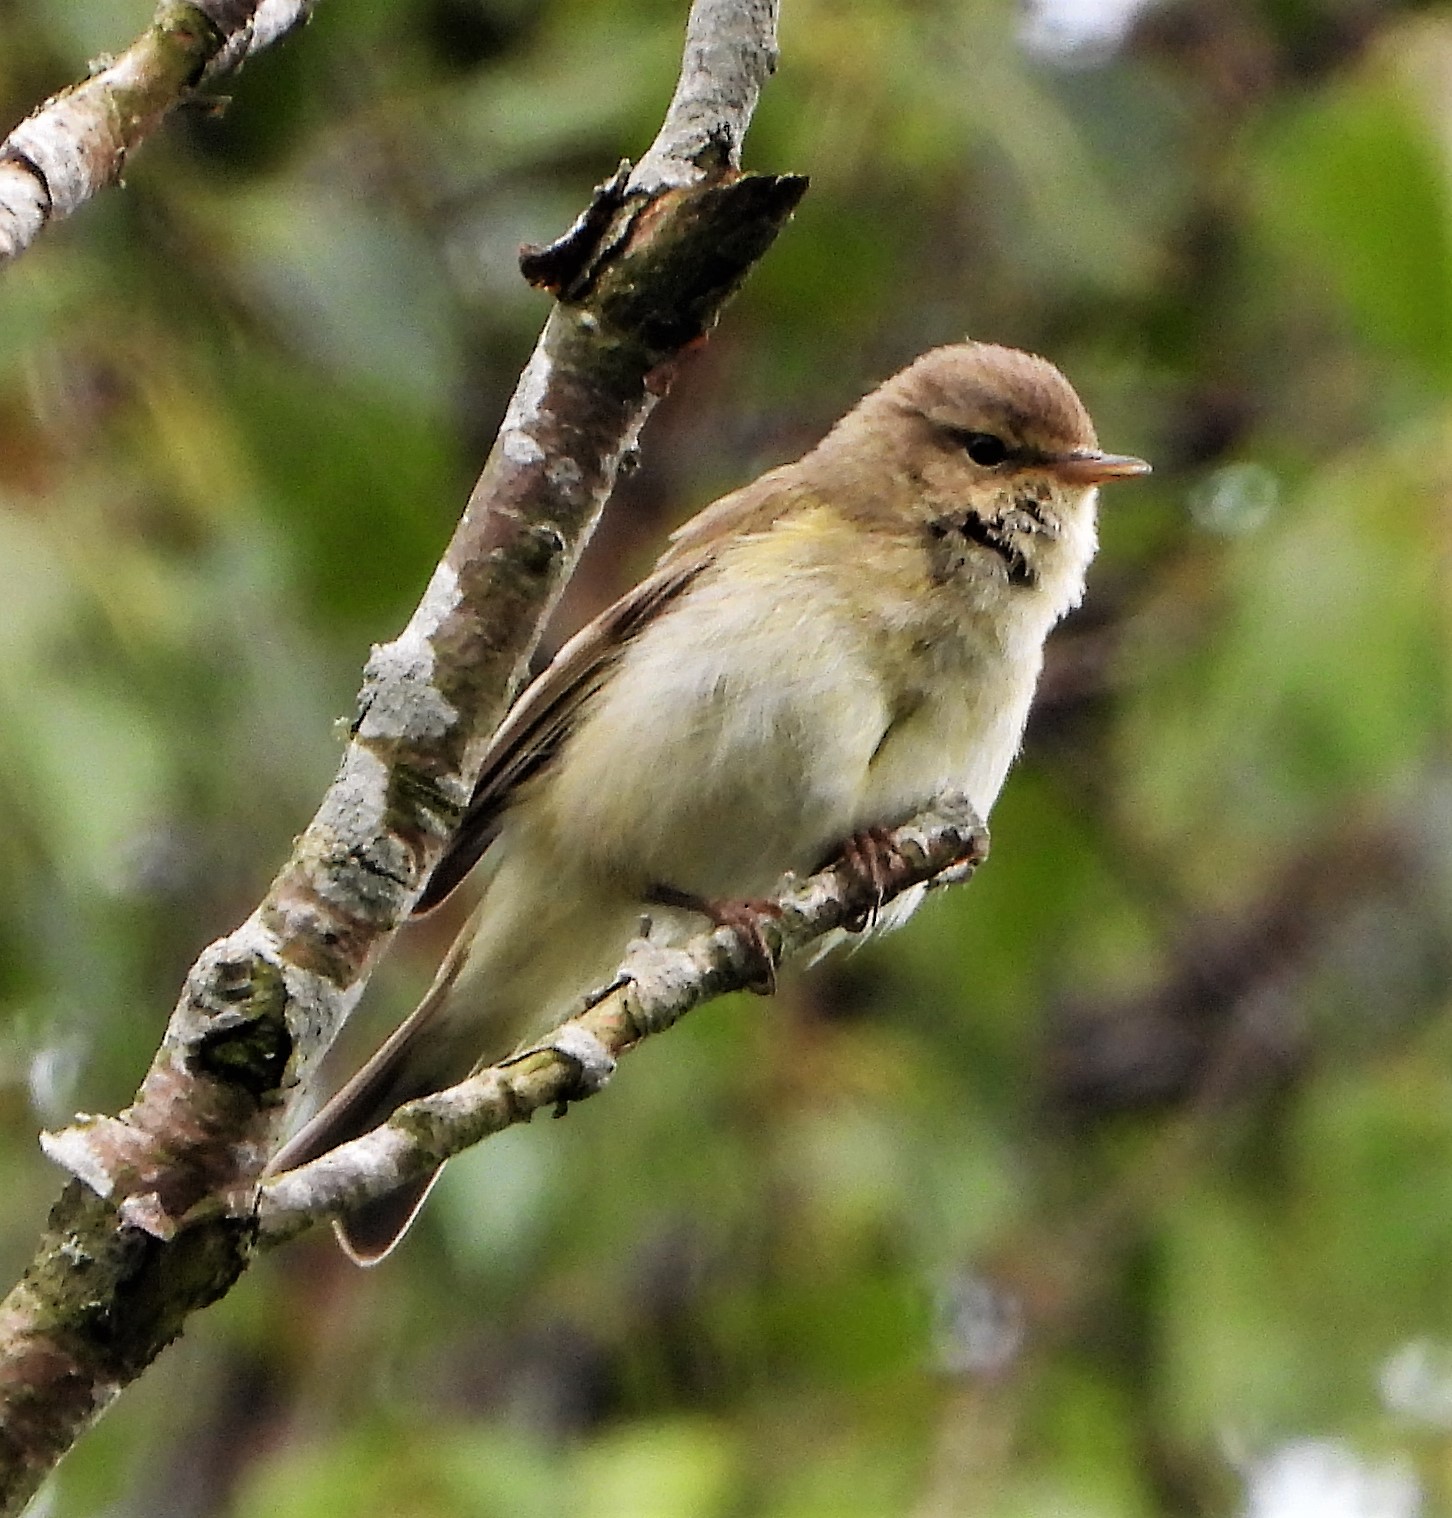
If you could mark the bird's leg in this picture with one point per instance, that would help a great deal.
(875, 862)
(742, 916)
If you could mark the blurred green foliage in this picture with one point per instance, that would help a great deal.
(1112, 1176)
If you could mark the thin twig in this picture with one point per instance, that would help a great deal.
(714, 101)
(78, 141)
(657, 987)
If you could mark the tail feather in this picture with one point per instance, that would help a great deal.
(369, 1234)
(537, 939)
(416, 1061)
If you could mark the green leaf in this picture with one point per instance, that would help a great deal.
(1353, 183)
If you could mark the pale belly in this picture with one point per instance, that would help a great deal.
(734, 750)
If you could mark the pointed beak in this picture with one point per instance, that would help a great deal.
(1090, 467)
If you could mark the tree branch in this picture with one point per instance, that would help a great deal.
(656, 988)
(77, 142)
(115, 1274)
(714, 102)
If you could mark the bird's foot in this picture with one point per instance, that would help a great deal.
(875, 866)
(744, 917)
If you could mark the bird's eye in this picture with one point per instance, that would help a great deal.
(985, 449)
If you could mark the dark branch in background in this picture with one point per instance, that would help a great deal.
(659, 986)
(116, 1274)
(77, 143)
(1230, 1011)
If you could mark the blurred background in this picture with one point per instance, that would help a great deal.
(1120, 1183)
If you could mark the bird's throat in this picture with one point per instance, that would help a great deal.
(1004, 535)
(1000, 539)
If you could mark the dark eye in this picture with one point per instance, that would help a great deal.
(985, 449)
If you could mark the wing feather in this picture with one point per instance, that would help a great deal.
(546, 713)
(543, 717)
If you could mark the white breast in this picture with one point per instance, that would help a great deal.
(731, 742)
(768, 714)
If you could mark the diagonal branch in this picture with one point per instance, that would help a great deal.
(77, 142)
(713, 102)
(115, 1275)
(657, 987)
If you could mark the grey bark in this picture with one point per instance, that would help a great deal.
(78, 141)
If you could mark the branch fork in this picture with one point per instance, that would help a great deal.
(140, 1240)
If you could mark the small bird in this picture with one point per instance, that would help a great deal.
(816, 656)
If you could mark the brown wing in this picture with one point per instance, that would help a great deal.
(544, 716)
(541, 720)
(753, 508)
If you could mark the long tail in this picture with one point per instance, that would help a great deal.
(538, 938)
(417, 1060)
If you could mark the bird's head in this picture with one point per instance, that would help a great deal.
(993, 443)
(978, 415)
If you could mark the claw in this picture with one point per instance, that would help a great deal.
(593, 1062)
(743, 917)
(875, 863)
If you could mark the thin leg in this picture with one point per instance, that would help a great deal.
(743, 917)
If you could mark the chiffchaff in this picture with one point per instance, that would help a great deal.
(818, 654)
